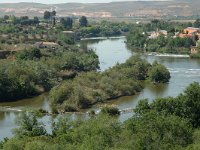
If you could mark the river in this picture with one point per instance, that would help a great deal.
(111, 51)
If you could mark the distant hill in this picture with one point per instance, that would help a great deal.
(114, 9)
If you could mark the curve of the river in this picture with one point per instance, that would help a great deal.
(111, 51)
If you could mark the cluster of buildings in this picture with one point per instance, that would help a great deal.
(193, 33)
(190, 32)
(156, 34)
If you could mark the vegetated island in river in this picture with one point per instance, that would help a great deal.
(90, 88)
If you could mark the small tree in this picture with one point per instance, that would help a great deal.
(110, 110)
(83, 21)
(36, 20)
(53, 19)
(67, 23)
(197, 23)
(6, 17)
(47, 15)
(159, 73)
(29, 125)
(30, 54)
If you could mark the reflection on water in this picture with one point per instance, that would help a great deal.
(7, 119)
(110, 51)
(7, 123)
(33, 103)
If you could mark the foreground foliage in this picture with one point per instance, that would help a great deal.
(167, 123)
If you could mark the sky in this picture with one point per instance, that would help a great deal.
(63, 1)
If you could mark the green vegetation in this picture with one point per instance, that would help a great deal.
(159, 73)
(34, 71)
(110, 110)
(166, 123)
(29, 54)
(92, 87)
(104, 28)
(70, 74)
(20, 79)
(139, 38)
(67, 22)
(83, 21)
(43, 56)
(37, 57)
(29, 126)
(195, 55)
(170, 45)
(139, 41)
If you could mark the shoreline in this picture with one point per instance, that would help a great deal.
(167, 55)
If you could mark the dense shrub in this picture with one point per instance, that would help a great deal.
(159, 73)
(110, 110)
(29, 54)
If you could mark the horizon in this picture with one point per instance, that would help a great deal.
(69, 1)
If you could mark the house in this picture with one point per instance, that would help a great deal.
(182, 35)
(190, 32)
(194, 50)
(49, 45)
(156, 34)
(163, 32)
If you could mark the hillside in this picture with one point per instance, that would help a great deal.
(114, 9)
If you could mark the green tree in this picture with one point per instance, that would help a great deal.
(83, 21)
(53, 13)
(191, 101)
(151, 131)
(67, 22)
(196, 24)
(36, 20)
(110, 110)
(159, 73)
(137, 39)
(29, 126)
(6, 17)
(29, 54)
(47, 15)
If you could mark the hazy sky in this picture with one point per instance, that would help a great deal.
(62, 1)
(58, 1)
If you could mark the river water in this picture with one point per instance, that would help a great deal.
(111, 51)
